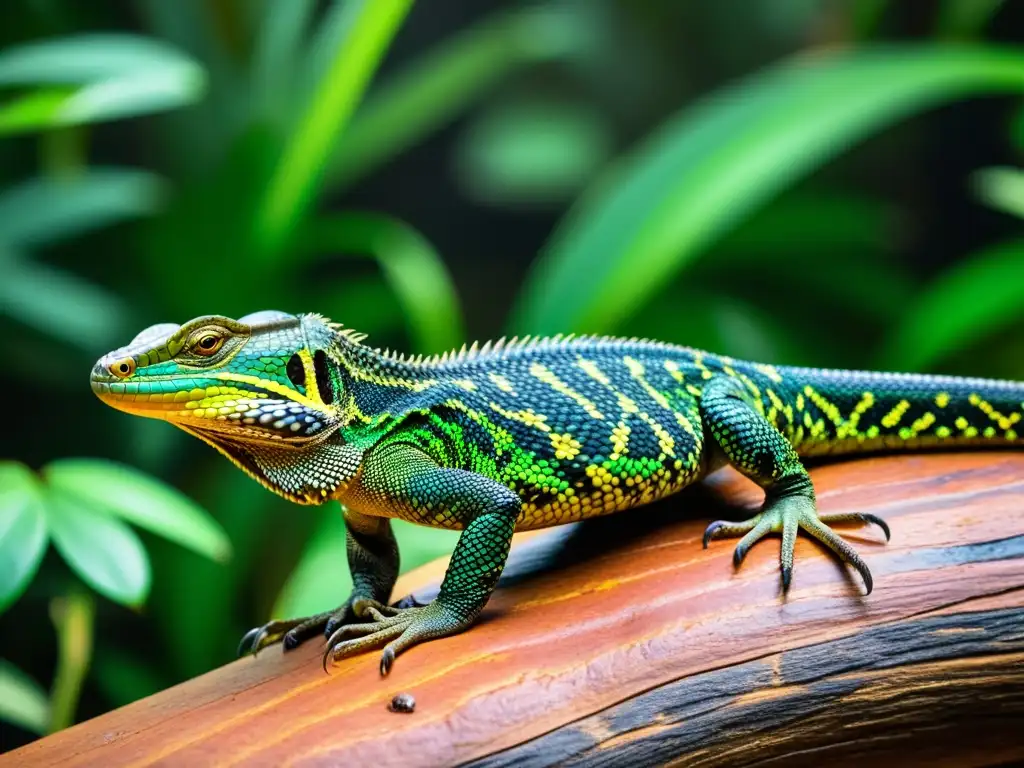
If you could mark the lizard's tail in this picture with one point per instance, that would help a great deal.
(859, 412)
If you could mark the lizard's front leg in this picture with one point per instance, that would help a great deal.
(373, 563)
(757, 449)
(404, 477)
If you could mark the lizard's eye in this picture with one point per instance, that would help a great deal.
(122, 368)
(208, 344)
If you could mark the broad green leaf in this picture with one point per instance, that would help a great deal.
(114, 76)
(369, 28)
(977, 296)
(23, 702)
(412, 268)
(141, 500)
(713, 164)
(1002, 188)
(320, 580)
(60, 304)
(101, 549)
(22, 530)
(46, 209)
(429, 92)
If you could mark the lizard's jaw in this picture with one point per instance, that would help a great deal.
(239, 410)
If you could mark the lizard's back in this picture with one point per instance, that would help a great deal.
(576, 428)
(584, 427)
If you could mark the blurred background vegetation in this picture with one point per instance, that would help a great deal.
(821, 182)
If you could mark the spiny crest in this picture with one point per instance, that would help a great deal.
(348, 333)
(503, 347)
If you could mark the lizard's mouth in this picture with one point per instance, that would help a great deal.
(230, 410)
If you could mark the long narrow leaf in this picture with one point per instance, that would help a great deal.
(113, 76)
(60, 304)
(22, 530)
(141, 500)
(277, 52)
(712, 165)
(974, 298)
(412, 268)
(436, 87)
(45, 209)
(308, 148)
(1002, 188)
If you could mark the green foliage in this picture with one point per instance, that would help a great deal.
(22, 530)
(364, 29)
(705, 170)
(986, 292)
(80, 503)
(22, 701)
(113, 76)
(140, 500)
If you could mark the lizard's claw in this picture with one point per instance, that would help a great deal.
(291, 632)
(786, 515)
(400, 628)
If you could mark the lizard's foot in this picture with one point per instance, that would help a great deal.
(786, 515)
(292, 632)
(400, 628)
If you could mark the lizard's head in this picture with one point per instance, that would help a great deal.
(251, 387)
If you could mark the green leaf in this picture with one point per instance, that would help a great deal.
(1001, 188)
(141, 500)
(711, 165)
(531, 151)
(22, 530)
(60, 304)
(976, 297)
(320, 580)
(46, 209)
(429, 92)
(23, 702)
(356, 56)
(114, 76)
(101, 549)
(412, 268)
(278, 47)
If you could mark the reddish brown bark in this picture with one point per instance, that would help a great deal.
(622, 641)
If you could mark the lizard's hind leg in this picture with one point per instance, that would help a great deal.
(756, 448)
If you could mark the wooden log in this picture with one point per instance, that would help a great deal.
(621, 642)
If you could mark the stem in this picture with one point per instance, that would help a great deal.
(330, 106)
(73, 616)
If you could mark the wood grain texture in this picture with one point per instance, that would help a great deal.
(620, 641)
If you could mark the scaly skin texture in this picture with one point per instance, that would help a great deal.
(515, 436)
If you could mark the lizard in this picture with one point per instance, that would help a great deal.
(519, 435)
